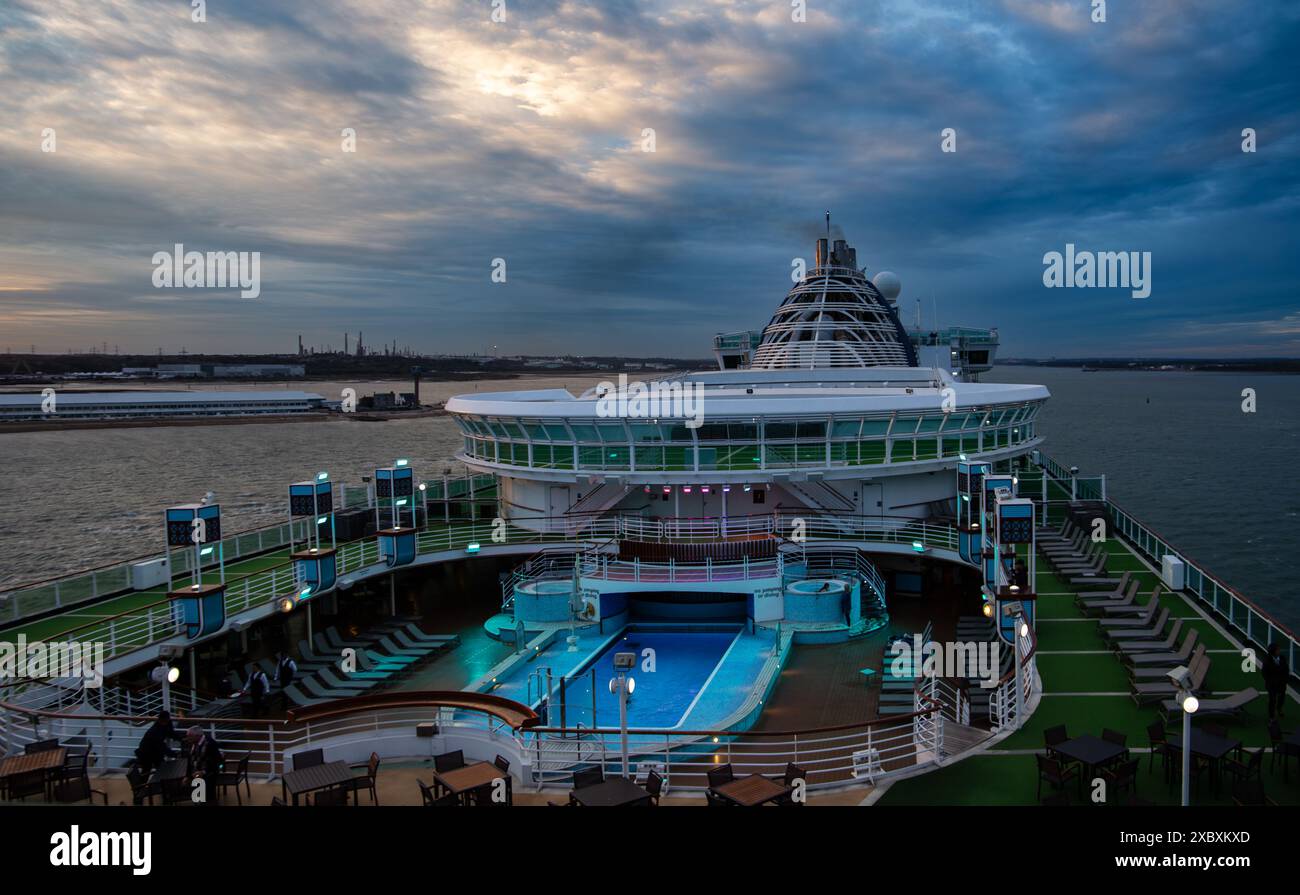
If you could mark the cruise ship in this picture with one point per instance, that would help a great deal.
(841, 569)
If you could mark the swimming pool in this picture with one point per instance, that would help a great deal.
(683, 665)
(685, 661)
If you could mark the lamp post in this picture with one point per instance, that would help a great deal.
(622, 685)
(1182, 679)
(166, 675)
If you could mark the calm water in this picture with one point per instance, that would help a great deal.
(1176, 448)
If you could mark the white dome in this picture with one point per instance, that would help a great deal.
(887, 284)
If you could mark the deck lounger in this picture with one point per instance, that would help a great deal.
(346, 682)
(335, 638)
(1111, 606)
(1232, 706)
(1159, 672)
(1130, 616)
(1144, 694)
(1084, 597)
(1090, 556)
(1128, 649)
(370, 651)
(315, 688)
(298, 698)
(1074, 547)
(387, 643)
(1151, 657)
(1118, 612)
(1151, 633)
(401, 638)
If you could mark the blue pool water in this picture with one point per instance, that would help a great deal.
(685, 661)
(683, 664)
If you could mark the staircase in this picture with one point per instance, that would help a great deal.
(977, 629)
(819, 495)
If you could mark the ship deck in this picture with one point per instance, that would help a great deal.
(1085, 687)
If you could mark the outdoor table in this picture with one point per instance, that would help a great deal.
(30, 762)
(1090, 752)
(1208, 746)
(612, 793)
(170, 776)
(752, 790)
(321, 776)
(463, 780)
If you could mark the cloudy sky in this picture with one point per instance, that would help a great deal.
(523, 140)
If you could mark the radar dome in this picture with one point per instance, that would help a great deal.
(887, 284)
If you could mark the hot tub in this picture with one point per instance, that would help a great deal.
(543, 601)
(822, 600)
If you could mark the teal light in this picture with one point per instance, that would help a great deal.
(306, 592)
(402, 502)
(918, 546)
(472, 548)
(402, 462)
(322, 476)
(205, 551)
(321, 520)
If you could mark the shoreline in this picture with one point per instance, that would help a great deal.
(248, 420)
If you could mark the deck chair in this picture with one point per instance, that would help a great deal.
(330, 679)
(1158, 672)
(1103, 597)
(1144, 694)
(1122, 647)
(1128, 634)
(1158, 657)
(1130, 616)
(301, 699)
(1230, 706)
(1112, 606)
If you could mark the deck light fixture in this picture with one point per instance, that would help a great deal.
(401, 462)
(424, 486)
(1181, 677)
(988, 610)
(918, 547)
(286, 604)
(169, 673)
(473, 547)
(322, 476)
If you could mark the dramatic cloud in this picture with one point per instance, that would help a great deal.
(524, 140)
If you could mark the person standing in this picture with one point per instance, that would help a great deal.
(285, 670)
(153, 749)
(205, 760)
(256, 689)
(1276, 673)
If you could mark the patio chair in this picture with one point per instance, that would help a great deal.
(277, 802)
(40, 746)
(141, 789)
(720, 775)
(1250, 794)
(227, 778)
(330, 797)
(502, 763)
(308, 759)
(1105, 597)
(1252, 767)
(1118, 738)
(1159, 746)
(588, 777)
(792, 773)
(368, 779)
(654, 784)
(1161, 671)
(1053, 737)
(716, 801)
(1121, 777)
(1054, 773)
(77, 789)
(450, 800)
(32, 783)
(449, 761)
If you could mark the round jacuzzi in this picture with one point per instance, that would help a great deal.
(543, 601)
(817, 600)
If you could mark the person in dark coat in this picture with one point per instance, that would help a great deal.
(205, 760)
(154, 749)
(1276, 673)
